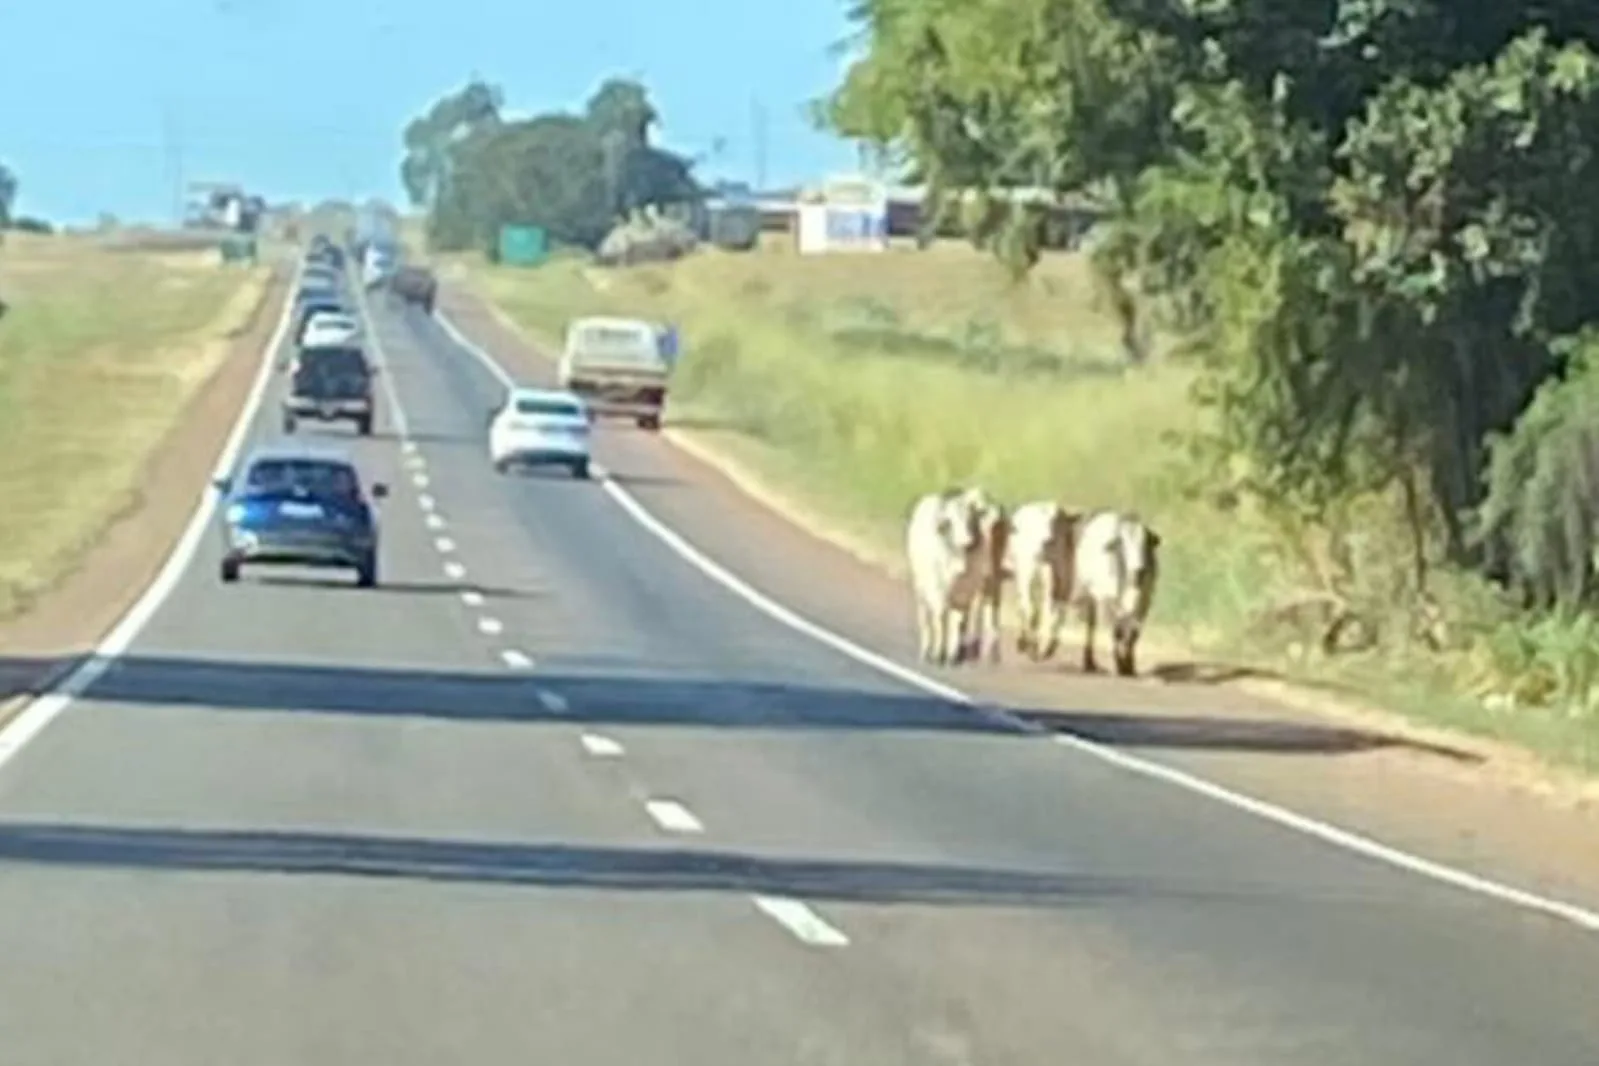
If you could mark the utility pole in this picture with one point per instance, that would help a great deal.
(758, 139)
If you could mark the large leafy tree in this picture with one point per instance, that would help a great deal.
(574, 175)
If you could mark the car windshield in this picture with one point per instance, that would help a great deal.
(332, 321)
(534, 406)
(316, 477)
(333, 361)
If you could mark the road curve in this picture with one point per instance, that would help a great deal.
(550, 792)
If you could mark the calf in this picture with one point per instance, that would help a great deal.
(1116, 566)
(944, 546)
(1039, 559)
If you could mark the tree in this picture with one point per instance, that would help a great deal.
(573, 175)
(1374, 221)
(8, 195)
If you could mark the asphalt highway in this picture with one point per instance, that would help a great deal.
(549, 794)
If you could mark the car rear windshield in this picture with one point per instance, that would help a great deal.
(319, 477)
(562, 408)
(333, 361)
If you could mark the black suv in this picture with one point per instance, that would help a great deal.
(332, 384)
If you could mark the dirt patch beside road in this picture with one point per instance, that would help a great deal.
(1475, 804)
(64, 625)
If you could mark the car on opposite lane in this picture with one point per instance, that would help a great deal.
(540, 427)
(299, 506)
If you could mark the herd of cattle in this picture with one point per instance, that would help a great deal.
(963, 546)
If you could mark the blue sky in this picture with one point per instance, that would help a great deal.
(302, 99)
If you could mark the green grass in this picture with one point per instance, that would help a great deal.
(854, 384)
(99, 353)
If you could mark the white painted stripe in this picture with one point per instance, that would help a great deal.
(409, 447)
(434, 521)
(472, 598)
(673, 817)
(454, 570)
(416, 462)
(553, 702)
(805, 924)
(491, 626)
(1356, 843)
(47, 707)
(420, 481)
(425, 502)
(444, 544)
(516, 660)
(601, 747)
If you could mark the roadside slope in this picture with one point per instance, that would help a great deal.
(120, 373)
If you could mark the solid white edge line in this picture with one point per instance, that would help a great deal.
(600, 747)
(516, 660)
(44, 709)
(673, 817)
(804, 924)
(1326, 832)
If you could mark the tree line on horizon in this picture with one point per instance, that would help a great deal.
(1373, 223)
(472, 170)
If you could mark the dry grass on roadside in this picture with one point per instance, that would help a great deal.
(99, 353)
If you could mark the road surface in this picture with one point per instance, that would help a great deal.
(550, 794)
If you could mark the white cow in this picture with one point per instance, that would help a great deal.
(944, 546)
(1117, 565)
(993, 532)
(1039, 558)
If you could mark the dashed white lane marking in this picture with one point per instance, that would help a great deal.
(425, 502)
(408, 447)
(804, 924)
(516, 660)
(553, 702)
(673, 817)
(491, 626)
(454, 570)
(420, 481)
(444, 544)
(416, 462)
(601, 747)
(435, 521)
(472, 598)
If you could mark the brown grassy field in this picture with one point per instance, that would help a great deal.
(99, 352)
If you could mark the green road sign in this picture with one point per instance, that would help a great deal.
(523, 245)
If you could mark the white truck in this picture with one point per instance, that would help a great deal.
(619, 366)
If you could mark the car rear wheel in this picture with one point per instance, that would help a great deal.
(229, 571)
(288, 423)
(649, 422)
(502, 466)
(580, 469)
(364, 425)
(366, 574)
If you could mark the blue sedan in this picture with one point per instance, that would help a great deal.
(300, 507)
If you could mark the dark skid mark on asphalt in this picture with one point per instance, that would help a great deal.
(647, 696)
(554, 865)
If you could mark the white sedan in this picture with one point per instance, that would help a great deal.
(331, 329)
(540, 427)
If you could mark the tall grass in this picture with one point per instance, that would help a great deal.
(99, 352)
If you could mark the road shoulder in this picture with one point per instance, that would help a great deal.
(44, 642)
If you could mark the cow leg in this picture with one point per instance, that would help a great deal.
(990, 627)
(1026, 612)
(1045, 622)
(1126, 643)
(924, 630)
(956, 624)
(1090, 612)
